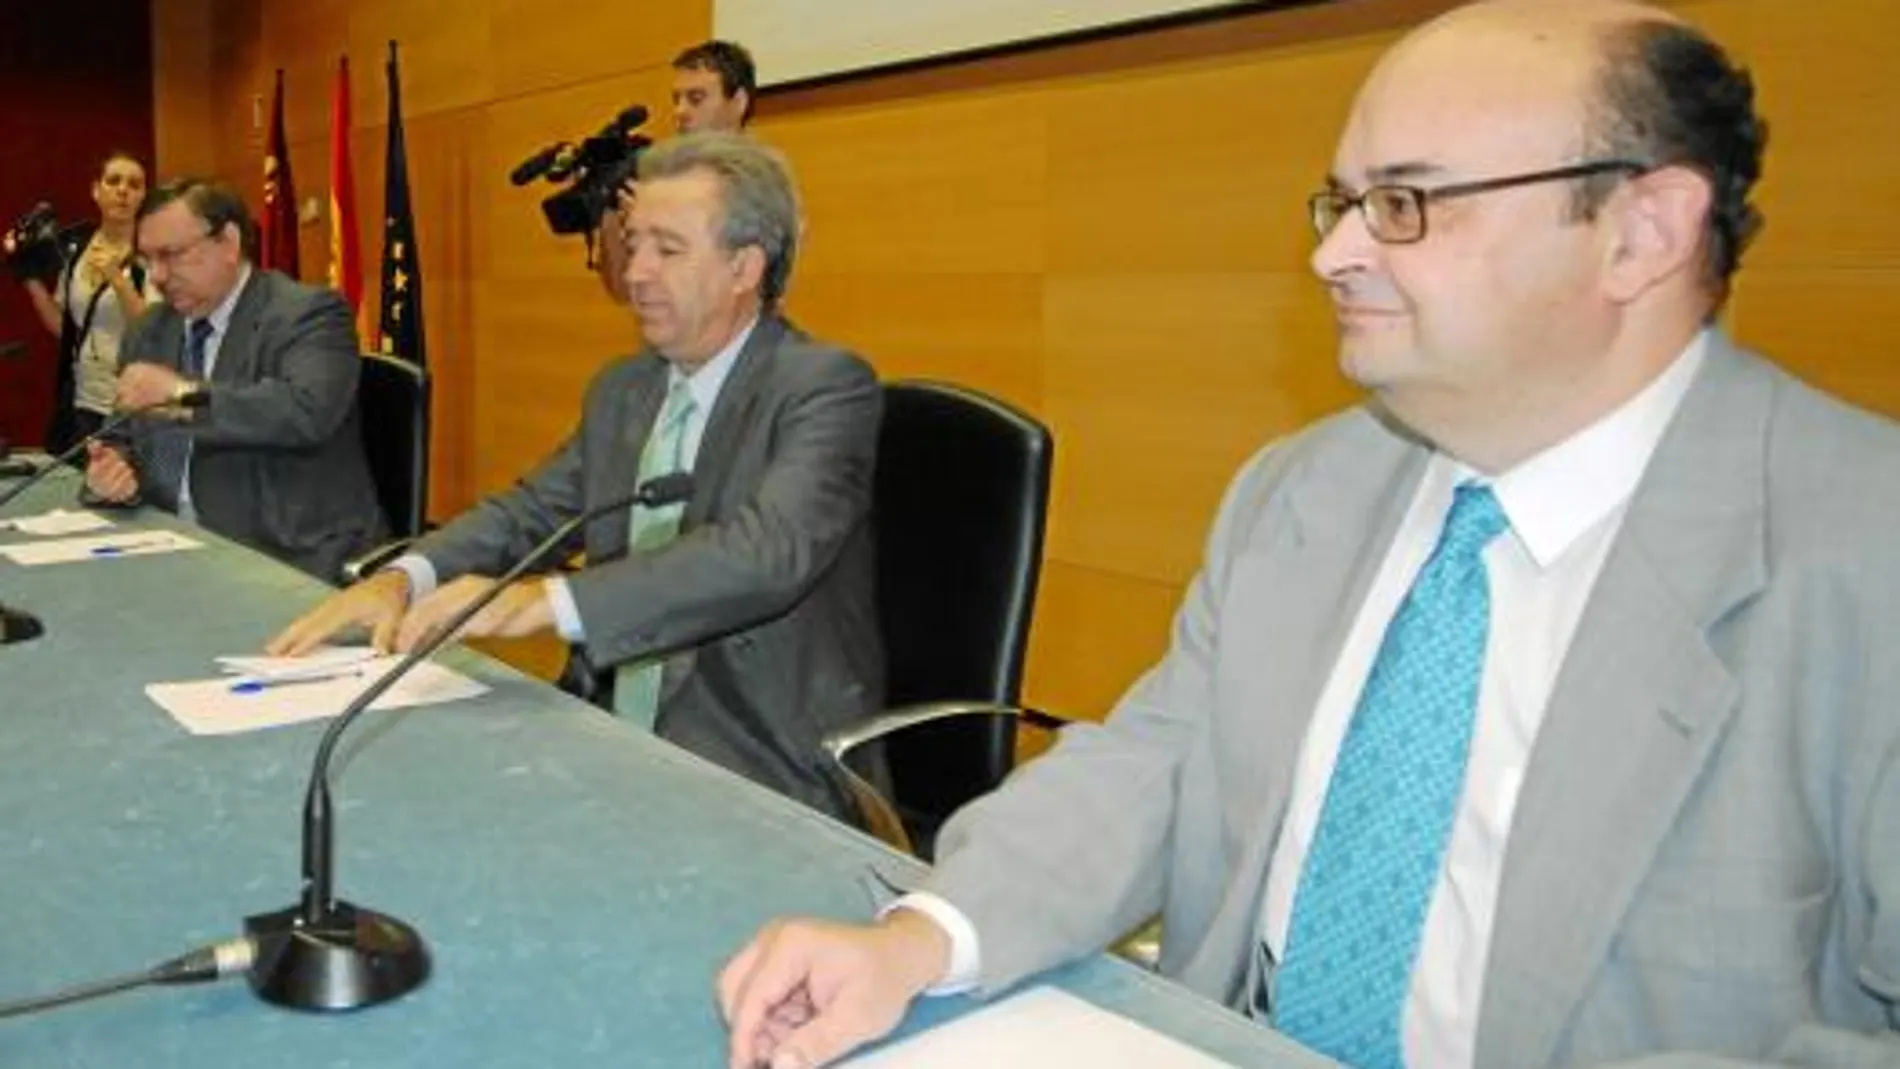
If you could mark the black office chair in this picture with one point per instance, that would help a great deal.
(959, 504)
(392, 397)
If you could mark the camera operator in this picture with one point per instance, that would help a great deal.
(99, 290)
(713, 87)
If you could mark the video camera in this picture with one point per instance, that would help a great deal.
(595, 170)
(33, 246)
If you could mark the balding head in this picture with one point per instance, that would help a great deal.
(1524, 304)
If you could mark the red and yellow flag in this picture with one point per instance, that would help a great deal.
(346, 264)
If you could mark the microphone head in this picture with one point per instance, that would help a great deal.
(663, 490)
(536, 165)
(626, 120)
(196, 397)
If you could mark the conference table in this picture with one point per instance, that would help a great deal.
(578, 882)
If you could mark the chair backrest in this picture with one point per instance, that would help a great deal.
(392, 397)
(959, 507)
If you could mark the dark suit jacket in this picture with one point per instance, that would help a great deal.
(765, 600)
(277, 455)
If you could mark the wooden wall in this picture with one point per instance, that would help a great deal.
(1109, 234)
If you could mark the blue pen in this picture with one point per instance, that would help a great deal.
(256, 686)
(118, 548)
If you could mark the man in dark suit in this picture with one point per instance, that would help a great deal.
(1537, 713)
(741, 627)
(274, 457)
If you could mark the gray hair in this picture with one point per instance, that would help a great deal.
(760, 202)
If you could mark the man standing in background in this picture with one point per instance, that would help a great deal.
(713, 87)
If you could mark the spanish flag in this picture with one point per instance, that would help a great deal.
(346, 264)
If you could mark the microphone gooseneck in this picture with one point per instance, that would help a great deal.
(325, 953)
(194, 399)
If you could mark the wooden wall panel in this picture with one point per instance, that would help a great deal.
(184, 104)
(540, 46)
(1109, 233)
(445, 50)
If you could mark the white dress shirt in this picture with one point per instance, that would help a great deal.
(1565, 506)
(705, 382)
(220, 322)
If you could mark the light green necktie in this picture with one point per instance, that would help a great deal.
(637, 683)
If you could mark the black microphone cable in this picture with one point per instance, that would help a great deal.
(230, 957)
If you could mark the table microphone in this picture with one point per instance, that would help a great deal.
(194, 398)
(328, 954)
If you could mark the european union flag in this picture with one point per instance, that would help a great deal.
(400, 330)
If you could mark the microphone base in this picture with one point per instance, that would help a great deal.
(353, 958)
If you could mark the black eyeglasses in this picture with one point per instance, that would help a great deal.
(1395, 215)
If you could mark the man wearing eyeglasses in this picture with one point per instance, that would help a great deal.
(1538, 712)
(274, 456)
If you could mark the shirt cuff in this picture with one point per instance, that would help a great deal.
(421, 575)
(567, 615)
(961, 975)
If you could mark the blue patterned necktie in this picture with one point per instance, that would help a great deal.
(168, 445)
(637, 683)
(1359, 910)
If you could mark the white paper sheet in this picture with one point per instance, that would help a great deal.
(58, 522)
(230, 704)
(320, 661)
(1040, 1028)
(98, 547)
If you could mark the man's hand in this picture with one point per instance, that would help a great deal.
(804, 993)
(376, 603)
(109, 475)
(143, 384)
(522, 609)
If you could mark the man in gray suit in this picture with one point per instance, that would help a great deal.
(1538, 713)
(274, 457)
(744, 629)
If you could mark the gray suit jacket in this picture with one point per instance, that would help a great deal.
(765, 600)
(1706, 851)
(277, 455)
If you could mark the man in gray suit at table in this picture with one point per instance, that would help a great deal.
(274, 457)
(743, 627)
(1539, 712)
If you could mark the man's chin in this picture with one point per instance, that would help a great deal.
(1371, 365)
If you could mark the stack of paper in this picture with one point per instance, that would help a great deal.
(58, 522)
(262, 692)
(98, 547)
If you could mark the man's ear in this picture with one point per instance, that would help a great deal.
(1660, 221)
(748, 266)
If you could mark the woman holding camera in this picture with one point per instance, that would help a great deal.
(95, 297)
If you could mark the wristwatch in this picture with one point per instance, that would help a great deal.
(183, 389)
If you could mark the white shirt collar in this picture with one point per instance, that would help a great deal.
(221, 315)
(706, 381)
(1553, 498)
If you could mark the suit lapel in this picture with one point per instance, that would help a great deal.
(646, 392)
(237, 352)
(167, 343)
(1342, 510)
(1640, 702)
(732, 414)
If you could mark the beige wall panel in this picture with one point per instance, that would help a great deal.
(1159, 386)
(540, 45)
(1095, 633)
(980, 330)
